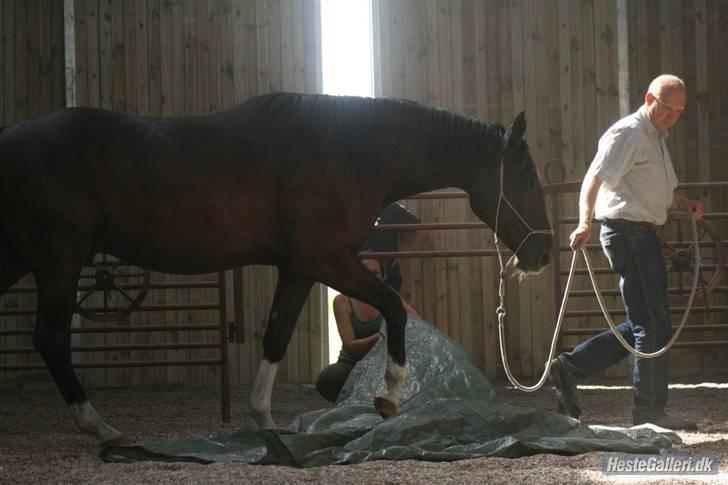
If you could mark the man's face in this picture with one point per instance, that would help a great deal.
(665, 109)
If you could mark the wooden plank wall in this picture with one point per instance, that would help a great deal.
(557, 60)
(176, 58)
(31, 59)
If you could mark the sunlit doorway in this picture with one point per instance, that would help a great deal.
(346, 40)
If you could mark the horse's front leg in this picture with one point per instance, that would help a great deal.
(292, 290)
(387, 403)
(349, 276)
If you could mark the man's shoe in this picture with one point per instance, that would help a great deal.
(668, 422)
(565, 387)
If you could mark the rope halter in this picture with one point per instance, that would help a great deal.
(531, 231)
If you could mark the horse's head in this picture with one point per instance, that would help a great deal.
(506, 193)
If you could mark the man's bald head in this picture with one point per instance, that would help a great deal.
(665, 84)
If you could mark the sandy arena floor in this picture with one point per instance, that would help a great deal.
(40, 444)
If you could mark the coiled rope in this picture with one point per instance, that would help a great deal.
(501, 312)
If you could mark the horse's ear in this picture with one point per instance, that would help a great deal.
(517, 129)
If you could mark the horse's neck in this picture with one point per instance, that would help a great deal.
(451, 151)
(426, 171)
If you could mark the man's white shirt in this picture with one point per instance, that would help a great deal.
(634, 165)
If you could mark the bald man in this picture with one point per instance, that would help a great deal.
(629, 187)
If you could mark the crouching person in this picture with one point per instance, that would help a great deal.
(358, 325)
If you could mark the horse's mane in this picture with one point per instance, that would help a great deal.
(340, 110)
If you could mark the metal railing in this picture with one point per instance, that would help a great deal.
(218, 344)
(554, 193)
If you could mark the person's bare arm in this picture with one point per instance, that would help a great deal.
(587, 199)
(357, 348)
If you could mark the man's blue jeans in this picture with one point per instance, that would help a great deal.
(634, 252)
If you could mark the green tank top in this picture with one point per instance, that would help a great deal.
(362, 329)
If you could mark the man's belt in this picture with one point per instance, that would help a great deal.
(649, 225)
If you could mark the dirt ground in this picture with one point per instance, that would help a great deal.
(40, 444)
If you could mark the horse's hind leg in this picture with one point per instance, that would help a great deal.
(12, 265)
(9, 278)
(292, 290)
(52, 338)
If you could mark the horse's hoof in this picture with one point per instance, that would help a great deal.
(385, 407)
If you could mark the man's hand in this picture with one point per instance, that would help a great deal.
(689, 205)
(580, 237)
(693, 206)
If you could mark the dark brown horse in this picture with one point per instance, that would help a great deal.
(290, 180)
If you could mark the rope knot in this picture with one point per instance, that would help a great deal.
(500, 311)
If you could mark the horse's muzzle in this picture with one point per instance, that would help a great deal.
(532, 264)
(544, 260)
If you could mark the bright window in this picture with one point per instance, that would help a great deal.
(346, 31)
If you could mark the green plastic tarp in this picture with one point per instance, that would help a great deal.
(449, 412)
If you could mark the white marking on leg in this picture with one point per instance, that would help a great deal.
(89, 421)
(260, 395)
(387, 403)
(394, 376)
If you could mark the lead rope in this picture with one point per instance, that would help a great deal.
(501, 310)
(501, 313)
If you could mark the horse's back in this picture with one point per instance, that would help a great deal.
(204, 193)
